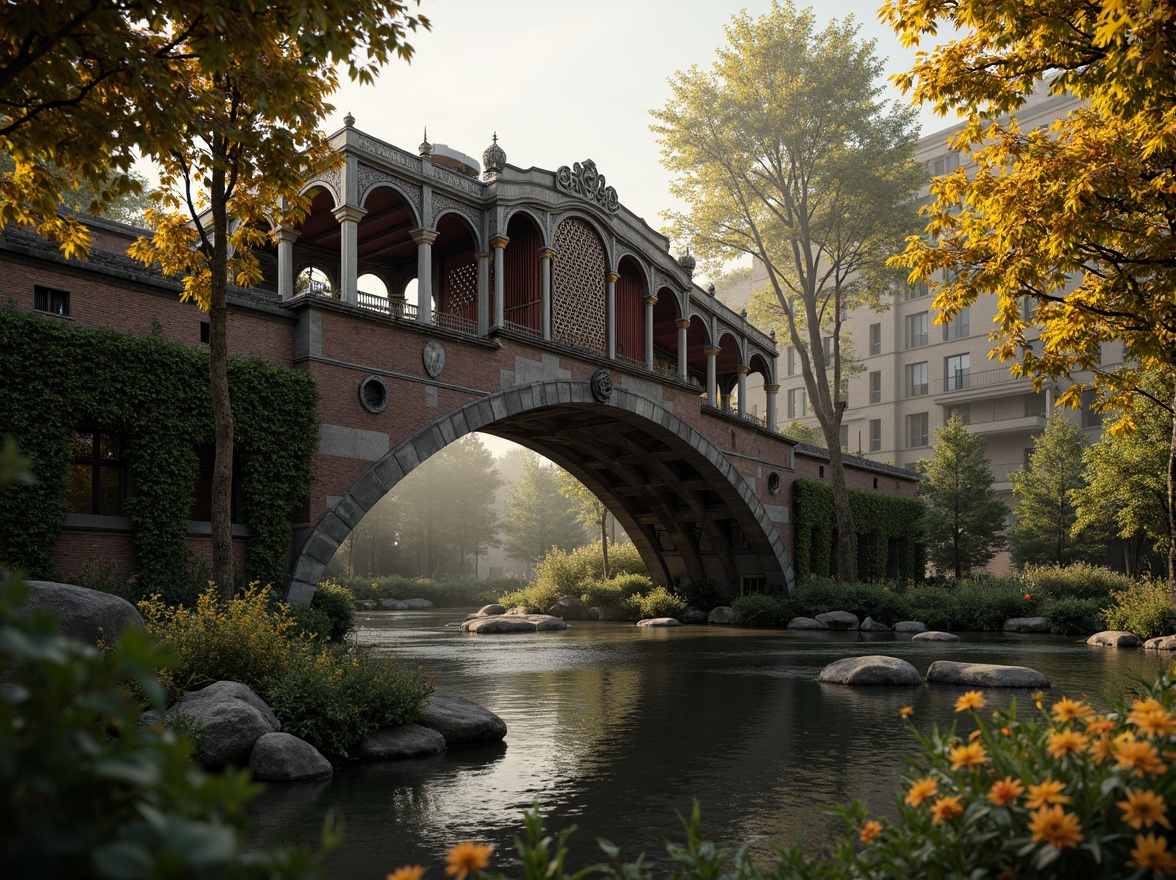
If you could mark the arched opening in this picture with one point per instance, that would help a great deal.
(386, 248)
(756, 403)
(579, 287)
(457, 274)
(314, 281)
(665, 332)
(316, 249)
(372, 289)
(697, 341)
(522, 306)
(629, 304)
(727, 369)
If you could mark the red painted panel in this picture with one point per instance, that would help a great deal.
(630, 313)
(522, 303)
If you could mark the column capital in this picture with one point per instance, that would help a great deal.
(286, 234)
(651, 300)
(682, 324)
(771, 389)
(485, 255)
(613, 277)
(349, 212)
(499, 242)
(712, 351)
(742, 370)
(546, 253)
(423, 235)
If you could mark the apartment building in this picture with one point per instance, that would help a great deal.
(914, 372)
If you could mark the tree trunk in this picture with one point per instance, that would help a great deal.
(604, 542)
(218, 383)
(841, 506)
(1172, 504)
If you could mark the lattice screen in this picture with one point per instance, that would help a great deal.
(579, 286)
(461, 288)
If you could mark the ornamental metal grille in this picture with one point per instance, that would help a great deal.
(461, 290)
(579, 286)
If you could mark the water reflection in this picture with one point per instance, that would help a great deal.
(616, 728)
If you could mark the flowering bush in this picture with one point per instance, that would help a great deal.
(1142, 608)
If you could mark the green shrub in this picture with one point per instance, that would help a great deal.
(1066, 616)
(309, 622)
(1080, 580)
(451, 593)
(699, 594)
(616, 592)
(763, 610)
(658, 602)
(536, 598)
(337, 605)
(984, 606)
(337, 695)
(1143, 608)
(107, 577)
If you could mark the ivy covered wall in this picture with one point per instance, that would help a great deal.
(59, 378)
(888, 540)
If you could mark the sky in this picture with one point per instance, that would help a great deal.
(561, 82)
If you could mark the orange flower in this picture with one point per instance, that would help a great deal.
(1065, 710)
(869, 831)
(1065, 742)
(1054, 825)
(1006, 731)
(1151, 851)
(467, 858)
(1151, 718)
(921, 790)
(906, 711)
(970, 700)
(1038, 699)
(1136, 755)
(1144, 808)
(1101, 750)
(1005, 791)
(408, 872)
(945, 809)
(1098, 725)
(1048, 792)
(1028, 597)
(969, 756)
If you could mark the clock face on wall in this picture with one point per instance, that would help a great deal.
(433, 357)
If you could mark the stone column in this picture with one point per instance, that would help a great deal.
(424, 239)
(772, 391)
(610, 317)
(712, 383)
(498, 245)
(742, 371)
(286, 236)
(650, 302)
(546, 255)
(682, 325)
(349, 217)
(483, 292)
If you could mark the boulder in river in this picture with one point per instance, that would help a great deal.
(805, 623)
(233, 717)
(692, 615)
(1026, 625)
(513, 623)
(1161, 643)
(1115, 638)
(933, 635)
(841, 620)
(607, 612)
(460, 720)
(659, 621)
(83, 614)
(492, 610)
(722, 615)
(873, 669)
(397, 743)
(985, 675)
(871, 625)
(283, 757)
(568, 608)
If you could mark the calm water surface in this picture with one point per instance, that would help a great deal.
(615, 727)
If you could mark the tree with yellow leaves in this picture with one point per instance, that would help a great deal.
(786, 152)
(1077, 217)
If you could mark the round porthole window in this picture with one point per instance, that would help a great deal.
(373, 394)
(774, 483)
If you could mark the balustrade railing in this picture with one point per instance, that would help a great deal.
(373, 302)
(961, 381)
(456, 322)
(522, 329)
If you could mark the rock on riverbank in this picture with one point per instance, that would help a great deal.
(873, 669)
(985, 675)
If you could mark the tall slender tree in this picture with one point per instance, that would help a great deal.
(537, 516)
(965, 518)
(590, 512)
(785, 151)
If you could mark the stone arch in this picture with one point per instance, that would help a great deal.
(323, 185)
(406, 196)
(539, 219)
(690, 513)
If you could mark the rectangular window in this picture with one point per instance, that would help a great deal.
(876, 386)
(1028, 308)
(875, 435)
(916, 379)
(964, 411)
(918, 290)
(53, 302)
(1090, 418)
(916, 330)
(956, 369)
(797, 403)
(916, 430)
(875, 339)
(957, 327)
(827, 345)
(1034, 405)
(791, 361)
(843, 437)
(97, 481)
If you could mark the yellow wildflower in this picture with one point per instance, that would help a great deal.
(869, 831)
(921, 790)
(906, 711)
(467, 858)
(1151, 851)
(1098, 725)
(1005, 791)
(1101, 750)
(1054, 825)
(1144, 808)
(970, 700)
(1038, 699)
(1047, 792)
(1151, 718)
(1065, 710)
(408, 872)
(968, 756)
(945, 809)
(1065, 742)
(1138, 756)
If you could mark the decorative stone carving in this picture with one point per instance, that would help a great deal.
(585, 181)
(443, 203)
(602, 386)
(433, 357)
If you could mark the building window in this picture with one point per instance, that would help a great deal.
(918, 290)
(97, 476)
(797, 403)
(791, 361)
(50, 301)
(1034, 405)
(204, 332)
(1028, 308)
(875, 435)
(916, 379)
(843, 437)
(957, 327)
(876, 386)
(875, 339)
(956, 370)
(963, 411)
(944, 164)
(916, 430)
(916, 330)
(827, 345)
(1090, 418)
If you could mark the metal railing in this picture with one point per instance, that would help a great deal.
(1002, 473)
(458, 323)
(522, 329)
(373, 302)
(982, 379)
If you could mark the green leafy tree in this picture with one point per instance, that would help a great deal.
(786, 151)
(965, 518)
(1043, 532)
(1077, 216)
(590, 512)
(1126, 491)
(537, 516)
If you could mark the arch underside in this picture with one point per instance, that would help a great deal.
(690, 514)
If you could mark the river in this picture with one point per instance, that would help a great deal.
(618, 728)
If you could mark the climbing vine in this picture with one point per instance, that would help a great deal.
(59, 378)
(888, 541)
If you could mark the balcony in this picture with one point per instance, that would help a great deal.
(963, 386)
